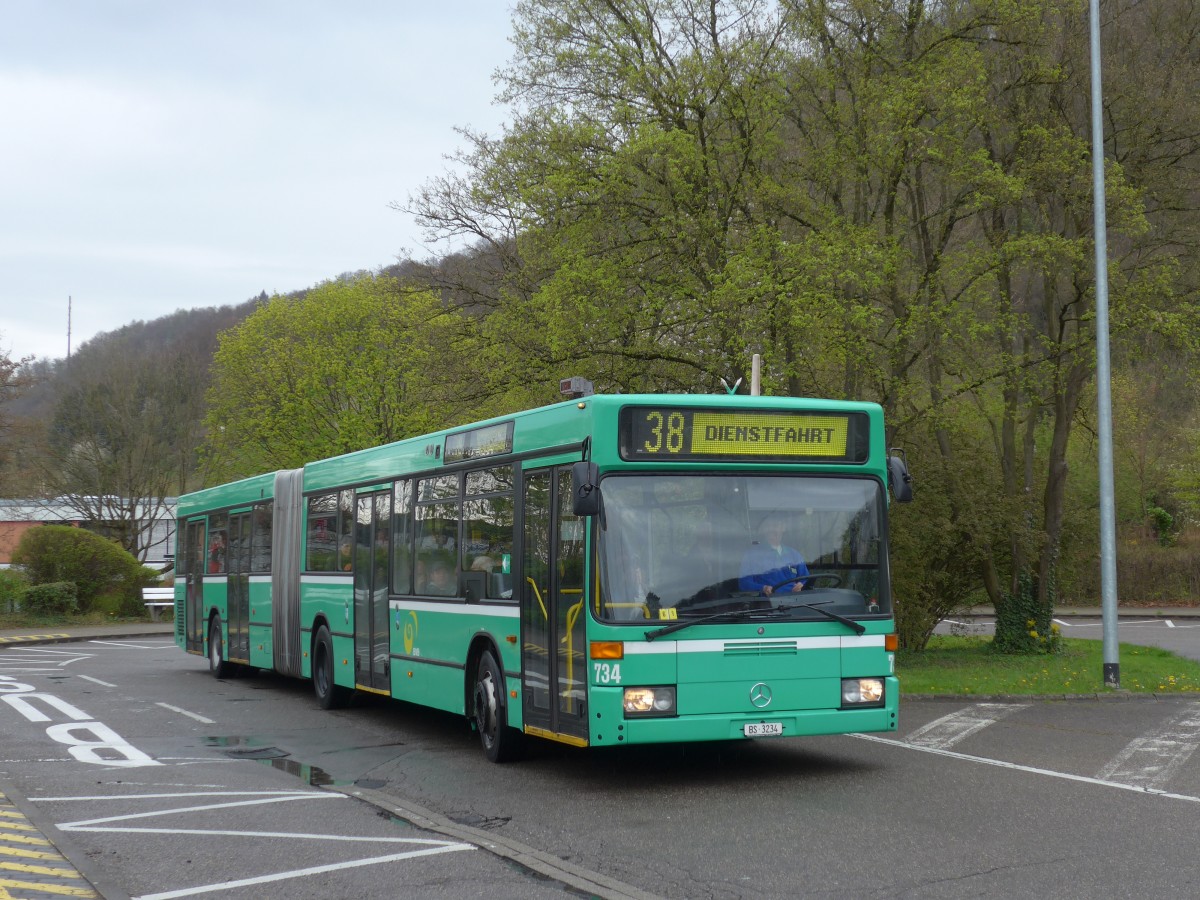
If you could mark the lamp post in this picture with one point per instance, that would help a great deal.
(1108, 540)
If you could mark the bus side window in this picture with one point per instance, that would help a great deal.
(487, 530)
(436, 536)
(322, 534)
(402, 538)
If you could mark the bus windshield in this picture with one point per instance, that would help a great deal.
(686, 546)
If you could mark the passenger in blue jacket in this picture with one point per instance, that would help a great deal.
(769, 562)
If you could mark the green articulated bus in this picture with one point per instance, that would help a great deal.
(609, 570)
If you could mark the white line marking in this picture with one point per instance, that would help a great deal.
(299, 873)
(95, 680)
(943, 733)
(174, 795)
(136, 645)
(1168, 623)
(184, 712)
(1033, 770)
(45, 652)
(1150, 761)
(427, 847)
(77, 826)
(300, 835)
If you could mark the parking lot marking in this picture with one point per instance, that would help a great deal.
(87, 824)
(419, 847)
(1032, 770)
(94, 680)
(27, 869)
(173, 795)
(25, 853)
(30, 865)
(61, 890)
(300, 873)
(949, 730)
(190, 715)
(1150, 761)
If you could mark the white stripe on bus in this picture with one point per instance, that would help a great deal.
(505, 611)
(834, 642)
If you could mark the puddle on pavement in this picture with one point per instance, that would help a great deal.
(241, 747)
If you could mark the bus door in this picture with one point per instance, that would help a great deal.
(238, 597)
(554, 664)
(372, 531)
(194, 545)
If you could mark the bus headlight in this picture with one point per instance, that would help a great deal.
(649, 701)
(862, 692)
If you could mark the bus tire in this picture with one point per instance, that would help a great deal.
(329, 694)
(217, 664)
(500, 742)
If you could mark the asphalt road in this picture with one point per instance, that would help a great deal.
(230, 788)
(1178, 633)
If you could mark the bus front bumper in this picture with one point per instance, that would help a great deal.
(614, 730)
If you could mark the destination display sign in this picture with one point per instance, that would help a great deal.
(489, 440)
(682, 433)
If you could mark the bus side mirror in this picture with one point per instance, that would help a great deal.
(898, 478)
(585, 479)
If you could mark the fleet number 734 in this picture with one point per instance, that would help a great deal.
(607, 673)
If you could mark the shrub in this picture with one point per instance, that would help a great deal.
(12, 585)
(55, 553)
(55, 598)
(1024, 624)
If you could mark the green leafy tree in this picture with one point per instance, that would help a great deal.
(888, 200)
(349, 364)
(13, 381)
(619, 199)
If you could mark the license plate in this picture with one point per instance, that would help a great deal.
(762, 729)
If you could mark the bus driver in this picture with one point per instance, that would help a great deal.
(769, 561)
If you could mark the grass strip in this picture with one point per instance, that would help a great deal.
(954, 664)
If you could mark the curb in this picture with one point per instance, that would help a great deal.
(19, 640)
(546, 865)
(72, 855)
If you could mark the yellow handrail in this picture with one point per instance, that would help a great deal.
(572, 615)
(538, 594)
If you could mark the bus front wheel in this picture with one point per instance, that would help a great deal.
(329, 694)
(500, 742)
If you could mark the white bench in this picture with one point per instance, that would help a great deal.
(156, 599)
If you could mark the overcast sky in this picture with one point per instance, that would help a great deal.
(162, 154)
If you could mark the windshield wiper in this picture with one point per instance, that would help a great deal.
(856, 627)
(687, 623)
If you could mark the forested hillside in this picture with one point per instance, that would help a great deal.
(889, 200)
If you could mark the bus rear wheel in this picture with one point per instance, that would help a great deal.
(329, 694)
(217, 664)
(500, 742)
